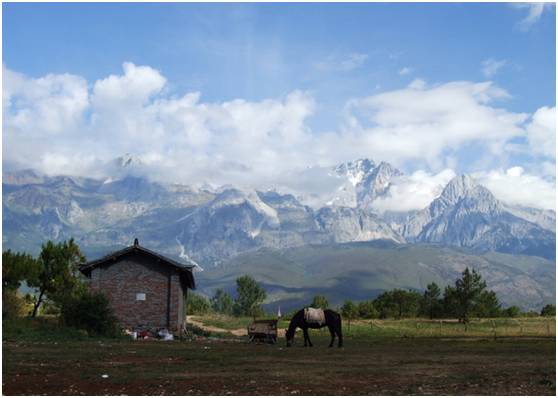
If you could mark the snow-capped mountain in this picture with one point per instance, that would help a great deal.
(467, 214)
(210, 225)
(363, 182)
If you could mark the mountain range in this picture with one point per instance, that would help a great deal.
(214, 226)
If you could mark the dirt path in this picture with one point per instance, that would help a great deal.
(196, 322)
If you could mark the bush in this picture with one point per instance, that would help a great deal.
(548, 310)
(90, 311)
(13, 306)
(512, 312)
(197, 305)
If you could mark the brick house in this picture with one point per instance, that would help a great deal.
(143, 287)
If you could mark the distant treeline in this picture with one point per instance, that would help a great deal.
(467, 298)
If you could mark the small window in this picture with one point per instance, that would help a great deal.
(140, 296)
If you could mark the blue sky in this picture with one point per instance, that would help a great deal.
(334, 57)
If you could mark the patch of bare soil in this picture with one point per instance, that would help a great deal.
(232, 367)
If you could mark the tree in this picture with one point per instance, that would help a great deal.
(349, 311)
(430, 302)
(16, 268)
(398, 303)
(367, 310)
(319, 302)
(196, 304)
(250, 296)
(468, 293)
(59, 278)
(222, 302)
(488, 305)
(512, 312)
(548, 310)
(385, 305)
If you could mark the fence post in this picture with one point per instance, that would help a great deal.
(494, 328)
(440, 328)
(548, 328)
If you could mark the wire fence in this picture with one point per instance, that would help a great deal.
(495, 327)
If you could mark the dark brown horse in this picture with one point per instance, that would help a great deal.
(332, 321)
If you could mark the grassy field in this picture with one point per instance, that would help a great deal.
(496, 327)
(69, 363)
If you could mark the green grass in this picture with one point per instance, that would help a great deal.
(39, 329)
(494, 327)
(44, 329)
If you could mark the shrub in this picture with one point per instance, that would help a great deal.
(13, 306)
(90, 311)
(197, 305)
(548, 310)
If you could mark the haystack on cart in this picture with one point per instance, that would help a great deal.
(264, 331)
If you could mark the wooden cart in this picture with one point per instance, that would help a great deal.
(264, 330)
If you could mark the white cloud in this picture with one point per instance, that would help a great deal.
(57, 124)
(413, 192)
(534, 13)
(405, 71)
(344, 63)
(421, 123)
(491, 66)
(541, 132)
(49, 104)
(516, 187)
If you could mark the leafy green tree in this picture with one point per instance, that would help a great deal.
(488, 305)
(385, 305)
(450, 302)
(468, 294)
(367, 310)
(512, 312)
(430, 303)
(16, 268)
(349, 311)
(319, 302)
(549, 310)
(250, 296)
(398, 303)
(197, 304)
(59, 278)
(222, 302)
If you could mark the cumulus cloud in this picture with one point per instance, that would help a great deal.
(516, 187)
(61, 124)
(491, 66)
(422, 122)
(47, 105)
(413, 192)
(541, 132)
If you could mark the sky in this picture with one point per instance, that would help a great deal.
(249, 94)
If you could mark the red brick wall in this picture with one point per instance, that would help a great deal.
(121, 281)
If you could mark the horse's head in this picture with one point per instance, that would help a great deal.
(289, 336)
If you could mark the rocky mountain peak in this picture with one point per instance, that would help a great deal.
(458, 187)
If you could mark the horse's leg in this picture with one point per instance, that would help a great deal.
(332, 333)
(340, 335)
(306, 339)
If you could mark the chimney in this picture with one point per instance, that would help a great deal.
(136, 242)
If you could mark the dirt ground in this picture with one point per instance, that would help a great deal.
(234, 367)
